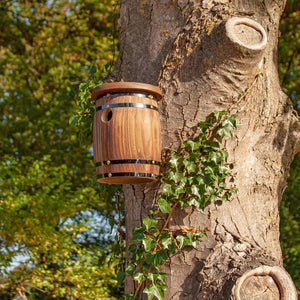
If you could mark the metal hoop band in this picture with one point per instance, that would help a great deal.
(128, 174)
(137, 105)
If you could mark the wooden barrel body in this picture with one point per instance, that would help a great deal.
(126, 133)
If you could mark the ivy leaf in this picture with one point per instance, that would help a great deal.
(225, 132)
(193, 239)
(203, 126)
(156, 258)
(193, 145)
(168, 242)
(195, 191)
(130, 270)
(219, 114)
(217, 156)
(149, 243)
(183, 241)
(174, 162)
(194, 202)
(138, 234)
(175, 176)
(189, 166)
(150, 223)
(167, 189)
(155, 290)
(180, 188)
(227, 127)
(132, 248)
(164, 205)
(155, 277)
(139, 277)
(232, 120)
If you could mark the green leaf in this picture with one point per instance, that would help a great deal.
(183, 241)
(132, 248)
(189, 166)
(150, 223)
(193, 239)
(194, 202)
(155, 290)
(138, 233)
(180, 188)
(203, 126)
(167, 189)
(174, 162)
(175, 176)
(219, 114)
(191, 145)
(195, 191)
(130, 270)
(149, 243)
(164, 205)
(215, 156)
(232, 120)
(227, 128)
(168, 242)
(121, 277)
(139, 277)
(156, 258)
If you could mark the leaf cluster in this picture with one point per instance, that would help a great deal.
(195, 174)
(83, 116)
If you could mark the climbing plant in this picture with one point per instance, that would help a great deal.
(194, 174)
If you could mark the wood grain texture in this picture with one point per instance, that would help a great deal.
(126, 133)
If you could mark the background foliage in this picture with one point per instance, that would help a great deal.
(52, 211)
(53, 214)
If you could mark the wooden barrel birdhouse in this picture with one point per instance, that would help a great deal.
(126, 132)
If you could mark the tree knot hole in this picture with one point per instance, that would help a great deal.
(247, 33)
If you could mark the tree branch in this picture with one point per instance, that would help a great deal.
(281, 277)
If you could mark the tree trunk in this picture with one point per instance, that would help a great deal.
(207, 55)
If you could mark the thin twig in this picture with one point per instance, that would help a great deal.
(170, 214)
(244, 94)
(121, 232)
(22, 295)
(138, 289)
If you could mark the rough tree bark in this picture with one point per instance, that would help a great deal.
(205, 55)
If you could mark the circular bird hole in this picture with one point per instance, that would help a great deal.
(106, 115)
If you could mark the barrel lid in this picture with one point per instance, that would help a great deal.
(126, 87)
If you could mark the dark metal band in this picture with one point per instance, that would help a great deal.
(137, 105)
(127, 161)
(127, 94)
(128, 174)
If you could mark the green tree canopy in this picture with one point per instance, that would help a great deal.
(47, 177)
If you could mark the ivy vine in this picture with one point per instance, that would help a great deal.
(194, 174)
(83, 116)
